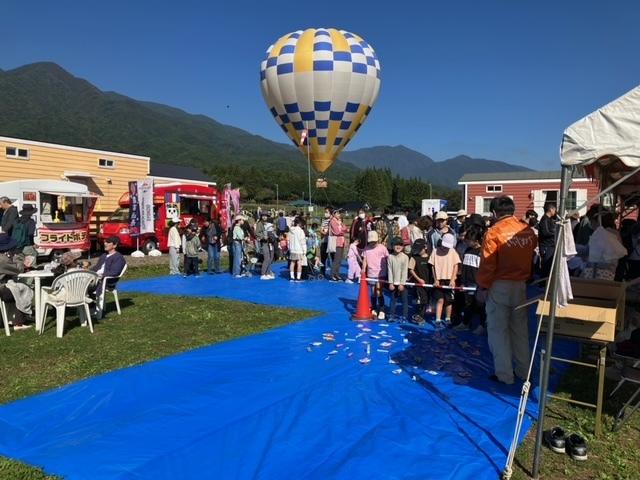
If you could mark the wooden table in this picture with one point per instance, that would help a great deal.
(37, 275)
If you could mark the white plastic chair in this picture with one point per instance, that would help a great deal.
(68, 290)
(102, 301)
(5, 317)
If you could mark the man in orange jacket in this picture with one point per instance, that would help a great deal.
(505, 263)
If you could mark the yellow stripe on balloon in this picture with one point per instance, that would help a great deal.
(275, 51)
(339, 41)
(303, 56)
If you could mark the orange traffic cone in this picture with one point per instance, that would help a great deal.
(363, 307)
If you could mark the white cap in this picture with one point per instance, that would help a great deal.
(441, 216)
(448, 240)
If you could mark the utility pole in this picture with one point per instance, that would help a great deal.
(277, 198)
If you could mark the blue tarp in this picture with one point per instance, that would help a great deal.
(275, 406)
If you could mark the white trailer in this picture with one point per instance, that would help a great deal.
(64, 212)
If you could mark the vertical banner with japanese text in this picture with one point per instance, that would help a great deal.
(145, 199)
(134, 210)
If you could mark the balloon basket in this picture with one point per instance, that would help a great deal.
(321, 182)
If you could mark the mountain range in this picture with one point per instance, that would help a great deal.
(44, 102)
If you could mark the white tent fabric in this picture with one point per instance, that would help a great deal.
(613, 130)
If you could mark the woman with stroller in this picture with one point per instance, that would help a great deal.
(238, 238)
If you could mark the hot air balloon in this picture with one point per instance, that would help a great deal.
(320, 85)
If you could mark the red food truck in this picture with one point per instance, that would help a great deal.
(186, 201)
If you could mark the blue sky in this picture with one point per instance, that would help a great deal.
(490, 79)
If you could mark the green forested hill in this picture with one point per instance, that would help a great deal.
(43, 102)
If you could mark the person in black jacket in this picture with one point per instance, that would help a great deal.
(110, 264)
(10, 215)
(29, 223)
(547, 238)
(210, 235)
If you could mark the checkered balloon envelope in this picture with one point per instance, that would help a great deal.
(320, 85)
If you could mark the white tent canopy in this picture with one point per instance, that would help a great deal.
(607, 142)
(611, 130)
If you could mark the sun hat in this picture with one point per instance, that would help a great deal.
(175, 220)
(442, 216)
(67, 258)
(448, 240)
(28, 209)
(419, 245)
(6, 242)
(372, 236)
(461, 213)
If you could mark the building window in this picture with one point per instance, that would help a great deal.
(14, 152)
(494, 188)
(106, 163)
(572, 201)
(551, 196)
(486, 205)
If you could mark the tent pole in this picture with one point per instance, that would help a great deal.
(565, 182)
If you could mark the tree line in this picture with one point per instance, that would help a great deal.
(374, 186)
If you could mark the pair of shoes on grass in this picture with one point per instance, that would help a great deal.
(559, 442)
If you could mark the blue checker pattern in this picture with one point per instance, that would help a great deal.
(298, 76)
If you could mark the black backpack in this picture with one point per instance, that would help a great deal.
(19, 234)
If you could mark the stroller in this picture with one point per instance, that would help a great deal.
(247, 264)
(312, 270)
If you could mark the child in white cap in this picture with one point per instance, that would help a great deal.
(445, 263)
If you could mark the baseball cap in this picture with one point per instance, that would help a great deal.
(448, 240)
(475, 219)
(441, 216)
(113, 239)
(418, 246)
(397, 241)
(372, 236)
(412, 217)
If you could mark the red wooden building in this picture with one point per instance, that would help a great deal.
(529, 190)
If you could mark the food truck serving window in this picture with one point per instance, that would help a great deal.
(60, 208)
(195, 204)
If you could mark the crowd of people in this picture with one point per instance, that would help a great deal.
(437, 267)
(451, 269)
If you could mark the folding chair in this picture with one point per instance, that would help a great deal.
(628, 361)
(5, 317)
(629, 374)
(68, 290)
(102, 301)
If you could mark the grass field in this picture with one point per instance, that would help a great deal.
(36, 363)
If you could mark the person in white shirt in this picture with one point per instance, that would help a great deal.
(297, 251)
(174, 243)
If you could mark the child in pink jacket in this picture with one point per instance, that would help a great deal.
(354, 262)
